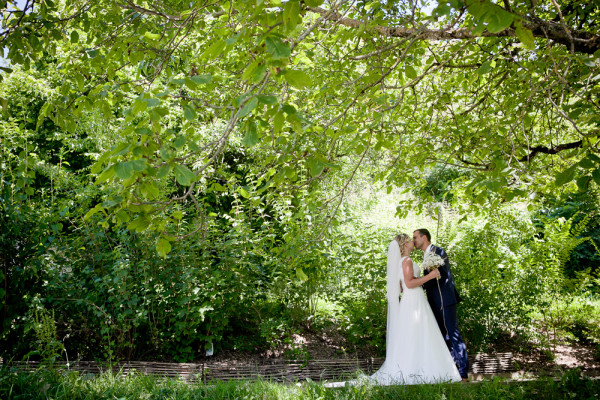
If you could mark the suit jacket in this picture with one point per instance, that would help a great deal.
(447, 287)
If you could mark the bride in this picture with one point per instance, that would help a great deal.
(415, 349)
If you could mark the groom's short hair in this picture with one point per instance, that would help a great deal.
(425, 232)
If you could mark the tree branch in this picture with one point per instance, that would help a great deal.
(550, 150)
(580, 41)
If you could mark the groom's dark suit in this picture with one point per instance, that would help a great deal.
(446, 318)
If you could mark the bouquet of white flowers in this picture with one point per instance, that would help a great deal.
(432, 261)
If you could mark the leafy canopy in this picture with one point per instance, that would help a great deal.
(506, 91)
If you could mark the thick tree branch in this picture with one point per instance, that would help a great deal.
(580, 41)
(550, 150)
(474, 165)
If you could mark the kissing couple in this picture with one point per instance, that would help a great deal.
(423, 343)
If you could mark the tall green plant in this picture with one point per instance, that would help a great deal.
(48, 345)
(486, 255)
(551, 250)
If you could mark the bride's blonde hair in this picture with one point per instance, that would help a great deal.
(402, 239)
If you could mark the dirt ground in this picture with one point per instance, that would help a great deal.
(567, 355)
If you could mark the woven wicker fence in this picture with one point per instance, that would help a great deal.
(283, 371)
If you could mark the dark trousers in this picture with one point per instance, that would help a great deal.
(452, 336)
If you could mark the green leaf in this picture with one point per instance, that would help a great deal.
(201, 79)
(278, 121)
(565, 176)
(112, 201)
(96, 167)
(243, 192)
(124, 170)
(583, 182)
(289, 109)
(139, 106)
(179, 141)
(178, 82)
(93, 211)
(231, 40)
(295, 121)
(152, 36)
(588, 162)
(107, 174)
(218, 187)
(248, 107)
(301, 275)
(214, 50)
(74, 37)
(120, 149)
(149, 190)
(139, 165)
(485, 68)
(477, 8)
(193, 146)
(189, 113)
(163, 247)
(251, 137)
(493, 186)
(249, 72)
(291, 14)
(152, 102)
(442, 9)
(164, 171)
(594, 158)
(290, 173)
(190, 83)
(596, 176)
(166, 153)
(277, 48)
(267, 99)
(139, 224)
(315, 166)
(410, 72)
(258, 73)
(498, 20)
(525, 36)
(298, 79)
(313, 3)
(183, 175)
(123, 216)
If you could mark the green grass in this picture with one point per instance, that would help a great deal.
(52, 385)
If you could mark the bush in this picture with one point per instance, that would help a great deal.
(487, 259)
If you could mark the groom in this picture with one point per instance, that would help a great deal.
(444, 306)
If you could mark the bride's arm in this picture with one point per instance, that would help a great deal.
(410, 280)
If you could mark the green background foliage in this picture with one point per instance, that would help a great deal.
(230, 174)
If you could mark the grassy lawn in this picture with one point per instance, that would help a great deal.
(52, 385)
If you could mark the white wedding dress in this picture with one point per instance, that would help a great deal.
(415, 349)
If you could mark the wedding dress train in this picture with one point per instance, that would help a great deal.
(415, 349)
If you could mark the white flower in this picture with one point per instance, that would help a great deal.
(432, 261)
